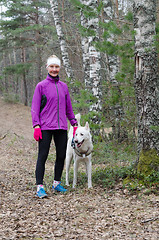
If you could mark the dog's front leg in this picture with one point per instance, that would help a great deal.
(89, 173)
(67, 174)
(75, 172)
(68, 161)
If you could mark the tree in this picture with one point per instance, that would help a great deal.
(146, 85)
(116, 43)
(89, 29)
(112, 61)
(12, 36)
(61, 37)
(90, 21)
(21, 30)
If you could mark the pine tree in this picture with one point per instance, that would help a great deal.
(21, 30)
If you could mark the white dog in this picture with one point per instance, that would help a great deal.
(81, 152)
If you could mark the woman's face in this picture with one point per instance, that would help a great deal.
(53, 70)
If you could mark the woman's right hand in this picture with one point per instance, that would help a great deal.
(37, 133)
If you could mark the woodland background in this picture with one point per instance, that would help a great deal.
(109, 61)
(96, 42)
(104, 80)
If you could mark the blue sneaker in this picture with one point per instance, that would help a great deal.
(41, 193)
(59, 188)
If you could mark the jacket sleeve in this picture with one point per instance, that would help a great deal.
(35, 108)
(69, 110)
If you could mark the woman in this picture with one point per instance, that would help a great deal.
(51, 106)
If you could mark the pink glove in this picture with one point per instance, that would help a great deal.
(74, 130)
(37, 134)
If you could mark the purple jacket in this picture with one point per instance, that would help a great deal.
(51, 105)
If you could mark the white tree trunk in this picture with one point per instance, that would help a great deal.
(85, 52)
(61, 37)
(146, 83)
(91, 57)
(125, 5)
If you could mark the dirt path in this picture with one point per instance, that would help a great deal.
(79, 214)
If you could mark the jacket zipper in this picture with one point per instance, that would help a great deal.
(58, 105)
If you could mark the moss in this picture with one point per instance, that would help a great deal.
(148, 161)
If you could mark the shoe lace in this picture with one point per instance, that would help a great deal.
(42, 190)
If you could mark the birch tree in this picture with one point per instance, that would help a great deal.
(125, 5)
(61, 37)
(146, 85)
(92, 57)
(85, 51)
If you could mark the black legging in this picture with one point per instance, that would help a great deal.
(60, 140)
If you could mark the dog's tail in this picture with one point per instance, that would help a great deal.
(78, 117)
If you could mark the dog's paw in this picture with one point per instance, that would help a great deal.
(67, 184)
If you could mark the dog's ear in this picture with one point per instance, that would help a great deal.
(87, 126)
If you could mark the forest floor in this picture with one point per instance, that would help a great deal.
(79, 214)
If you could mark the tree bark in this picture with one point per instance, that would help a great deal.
(85, 52)
(146, 85)
(5, 76)
(91, 59)
(23, 60)
(157, 22)
(61, 37)
(38, 48)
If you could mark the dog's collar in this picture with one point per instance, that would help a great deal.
(87, 153)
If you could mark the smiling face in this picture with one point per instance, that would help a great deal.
(79, 139)
(53, 69)
(81, 135)
(83, 139)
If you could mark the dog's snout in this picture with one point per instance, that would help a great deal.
(76, 141)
